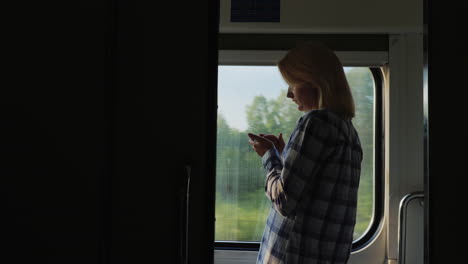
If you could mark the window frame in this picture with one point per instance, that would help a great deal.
(379, 143)
(374, 60)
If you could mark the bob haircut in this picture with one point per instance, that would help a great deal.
(315, 64)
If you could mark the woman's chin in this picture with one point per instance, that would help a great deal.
(304, 109)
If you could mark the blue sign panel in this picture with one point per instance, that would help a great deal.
(255, 10)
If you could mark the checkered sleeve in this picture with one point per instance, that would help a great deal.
(306, 152)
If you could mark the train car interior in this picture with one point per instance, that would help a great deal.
(125, 126)
(387, 55)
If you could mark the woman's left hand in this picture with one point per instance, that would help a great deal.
(260, 144)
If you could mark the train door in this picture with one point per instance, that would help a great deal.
(383, 59)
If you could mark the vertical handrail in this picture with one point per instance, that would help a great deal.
(184, 216)
(403, 215)
(187, 200)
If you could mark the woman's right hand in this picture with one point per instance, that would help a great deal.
(278, 141)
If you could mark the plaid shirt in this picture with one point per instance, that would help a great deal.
(313, 189)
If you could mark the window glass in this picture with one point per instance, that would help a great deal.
(253, 99)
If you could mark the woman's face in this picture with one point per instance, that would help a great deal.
(304, 95)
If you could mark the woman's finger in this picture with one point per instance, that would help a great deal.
(271, 138)
(257, 138)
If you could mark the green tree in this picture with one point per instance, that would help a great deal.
(272, 116)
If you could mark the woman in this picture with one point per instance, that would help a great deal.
(313, 181)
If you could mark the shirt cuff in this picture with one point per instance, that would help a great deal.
(271, 159)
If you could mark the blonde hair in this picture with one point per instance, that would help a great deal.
(314, 63)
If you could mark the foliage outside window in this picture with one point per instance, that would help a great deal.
(241, 204)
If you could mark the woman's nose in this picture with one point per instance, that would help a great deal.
(289, 94)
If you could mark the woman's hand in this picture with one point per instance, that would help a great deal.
(278, 141)
(260, 144)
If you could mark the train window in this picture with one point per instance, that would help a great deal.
(253, 99)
